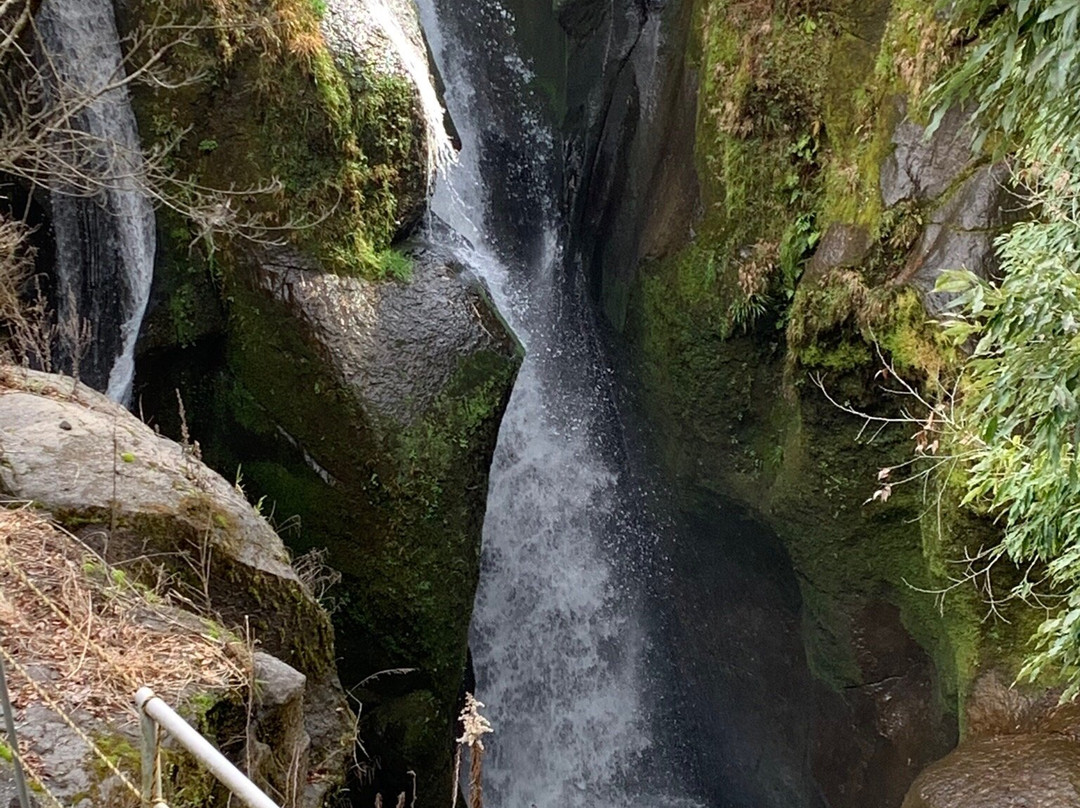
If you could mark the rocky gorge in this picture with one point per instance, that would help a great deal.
(582, 336)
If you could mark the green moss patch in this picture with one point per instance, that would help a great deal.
(839, 323)
(325, 153)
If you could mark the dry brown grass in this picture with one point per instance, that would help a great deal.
(16, 264)
(923, 46)
(90, 637)
(281, 26)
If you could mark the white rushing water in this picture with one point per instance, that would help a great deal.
(105, 242)
(557, 638)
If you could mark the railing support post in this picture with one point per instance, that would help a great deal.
(151, 761)
(13, 740)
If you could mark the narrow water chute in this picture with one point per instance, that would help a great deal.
(103, 225)
(558, 635)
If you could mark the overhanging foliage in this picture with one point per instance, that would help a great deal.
(1020, 410)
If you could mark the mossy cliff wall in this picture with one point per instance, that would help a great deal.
(352, 389)
(812, 219)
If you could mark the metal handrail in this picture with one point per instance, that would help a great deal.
(153, 712)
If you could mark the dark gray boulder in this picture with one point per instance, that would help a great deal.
(960, 234)
(921, 167)
(367, 412)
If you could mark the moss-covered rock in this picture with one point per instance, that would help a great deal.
(364, 414)
(354, 390)
(324, 145)
(379, 438)
(165, 526)
(101, 471)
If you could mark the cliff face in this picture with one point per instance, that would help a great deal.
(770, 242)
(630, 179)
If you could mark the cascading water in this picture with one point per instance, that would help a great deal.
(105, 240)
(558, 635)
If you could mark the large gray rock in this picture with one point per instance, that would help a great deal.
(385, 36)
(107, 475)
(921, 167)
(146, 502)
(960, 234)
(395, 345)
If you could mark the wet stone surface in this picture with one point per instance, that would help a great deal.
(1019, 771)
(923, 168)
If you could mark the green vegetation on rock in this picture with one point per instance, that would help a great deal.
(796, 118)
(331, 150)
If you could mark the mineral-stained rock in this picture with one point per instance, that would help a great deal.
(1022, 751)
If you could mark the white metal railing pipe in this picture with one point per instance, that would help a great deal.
(188, 737)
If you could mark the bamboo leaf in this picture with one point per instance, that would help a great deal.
(1056, 10)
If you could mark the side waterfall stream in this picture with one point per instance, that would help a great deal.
(559, 638)
(104, 241)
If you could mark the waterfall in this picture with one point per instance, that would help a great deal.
(104, 241)
(559, 637)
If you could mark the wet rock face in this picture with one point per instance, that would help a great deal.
(921, 167)
(580, 18)
(1019, 771)
(962, 222)
(960, 234)
(631, 181)
(737, 648)
(354, 33)
(370, 410)
(886, 727)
